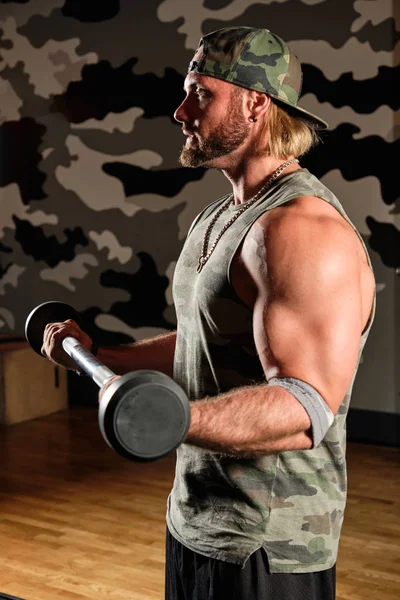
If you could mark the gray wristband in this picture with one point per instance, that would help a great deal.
(320, 414)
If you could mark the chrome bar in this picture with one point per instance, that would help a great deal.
(87, 361)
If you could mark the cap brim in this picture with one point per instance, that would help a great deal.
(297, 111)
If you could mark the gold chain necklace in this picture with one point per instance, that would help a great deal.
(204, 256)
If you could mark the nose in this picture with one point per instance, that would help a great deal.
(181, 114)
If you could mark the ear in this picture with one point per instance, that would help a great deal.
(257, 105)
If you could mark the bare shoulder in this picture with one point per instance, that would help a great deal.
(300, 249)
(305, 228)
(305, 239)
(306, 210)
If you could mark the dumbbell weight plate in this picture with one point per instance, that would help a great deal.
(48, 312)
(144, 415)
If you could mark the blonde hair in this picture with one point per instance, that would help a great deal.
(286, 135)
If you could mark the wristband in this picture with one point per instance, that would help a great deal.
(320, 414)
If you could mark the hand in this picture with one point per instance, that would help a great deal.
(106, 386)
(54, 334)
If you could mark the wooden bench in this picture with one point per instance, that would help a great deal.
(30, 386)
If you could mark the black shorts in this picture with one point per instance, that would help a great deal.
(192, 576)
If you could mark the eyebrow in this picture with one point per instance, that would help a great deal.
(194, 84)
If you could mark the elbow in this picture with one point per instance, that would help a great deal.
(304, 440)
(307, 439)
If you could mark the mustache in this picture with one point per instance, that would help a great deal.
(188, 131)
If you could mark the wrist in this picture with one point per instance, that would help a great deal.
(194, 428)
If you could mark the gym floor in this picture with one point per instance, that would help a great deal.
(78, 522)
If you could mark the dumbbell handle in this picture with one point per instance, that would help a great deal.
(87, 361)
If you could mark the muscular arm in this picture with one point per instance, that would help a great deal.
(250, 421)
(307, 325)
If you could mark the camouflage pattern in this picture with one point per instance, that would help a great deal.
(292, 503)
(94, 207)
(255, 59)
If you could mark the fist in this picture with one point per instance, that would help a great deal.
(54, 334)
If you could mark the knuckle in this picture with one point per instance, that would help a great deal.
(71, 323)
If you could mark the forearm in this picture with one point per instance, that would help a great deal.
(155, 353)
(250, 421)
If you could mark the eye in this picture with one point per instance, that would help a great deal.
(201, 92)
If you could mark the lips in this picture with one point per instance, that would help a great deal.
(190, 136)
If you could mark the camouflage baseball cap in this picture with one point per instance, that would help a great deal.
(255, 59)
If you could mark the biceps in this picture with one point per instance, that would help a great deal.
(312, 339)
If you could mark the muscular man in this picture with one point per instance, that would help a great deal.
(275, 297)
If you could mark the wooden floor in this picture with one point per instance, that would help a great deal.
(79, 522)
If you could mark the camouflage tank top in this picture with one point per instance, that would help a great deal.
(291, 503)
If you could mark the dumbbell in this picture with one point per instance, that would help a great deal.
(143, 415)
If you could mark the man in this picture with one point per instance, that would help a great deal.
(275, 297)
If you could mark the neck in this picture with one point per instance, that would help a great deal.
(251, 175)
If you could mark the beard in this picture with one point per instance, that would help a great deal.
(223, 140)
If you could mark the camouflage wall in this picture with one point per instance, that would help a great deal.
(94, 205)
